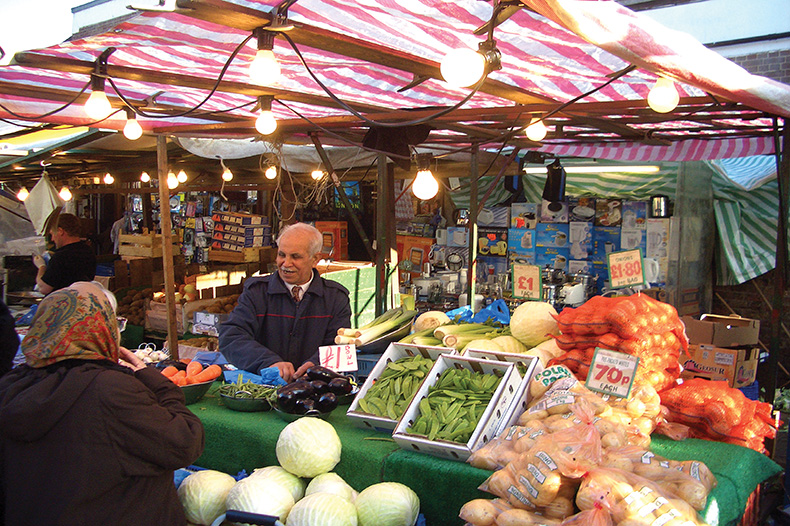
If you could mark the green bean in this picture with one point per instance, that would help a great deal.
(248, 390)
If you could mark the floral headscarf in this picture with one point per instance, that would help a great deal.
(77, 322)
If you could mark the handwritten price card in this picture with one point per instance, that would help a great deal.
(625, 269)
(527, 282)
(612, 372)
(339, 358)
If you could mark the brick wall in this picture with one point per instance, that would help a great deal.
(753, 300)
(774, 64)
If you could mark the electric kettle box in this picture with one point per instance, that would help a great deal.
(524, 215)
(635, 215)
(492, 242)
(722, 331)
(552, 235)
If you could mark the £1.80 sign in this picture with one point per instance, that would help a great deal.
(339, 358)
(625, 269)
(612, 372)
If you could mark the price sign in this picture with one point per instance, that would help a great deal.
(612, 372)
(625, 269)
(339, 358)
(527, 282)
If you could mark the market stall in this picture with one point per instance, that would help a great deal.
(238, 441)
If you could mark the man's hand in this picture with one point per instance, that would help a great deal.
(38, 261)
(286, 370)
(303, 369)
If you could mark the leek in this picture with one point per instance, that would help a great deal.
(411, 337)
(355, 333)
(459, 341)
(461, 328)
(380, 329)
(427, 340)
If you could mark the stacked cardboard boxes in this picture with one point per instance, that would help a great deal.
(722, 348)
(335, 236)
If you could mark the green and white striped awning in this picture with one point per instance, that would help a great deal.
(746, 204)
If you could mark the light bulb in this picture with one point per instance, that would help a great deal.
(317, 175)
(663, 97)
(144, 177)
(108, 178)
(65, 193)
(536, 131)
(463, 67)
(22, 194)
(182, 176)
(132, 129)
(98, 107)
(425, 186)
(271, 172)
(266, 123)
(172, 181)
(227, 175)
(264, 69)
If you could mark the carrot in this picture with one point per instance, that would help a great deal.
(194, 368)
(180, 376)
(185, 360)
(209, 373)
(169, 371)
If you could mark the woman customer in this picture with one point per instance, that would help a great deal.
(88, 434)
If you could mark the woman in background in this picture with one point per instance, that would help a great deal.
(88, 434)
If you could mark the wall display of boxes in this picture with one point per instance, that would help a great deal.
(553, 256)
(553, 212)
(633, 238)
(657, 241)
(492, 242)
(496, 217)
(457, 236)
(485, 264)
(634, 215)
(580, 239)
(524, 215)
(552, 235)
(608, 212)
(606, 239)
(581, 209)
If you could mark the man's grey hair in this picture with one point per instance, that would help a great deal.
(316, 240)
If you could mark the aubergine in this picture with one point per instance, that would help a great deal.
(319, 387)
(303, 405)
(326, 403)
(318, 372)
(340, 386)
(181, 366)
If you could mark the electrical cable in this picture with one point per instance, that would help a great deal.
(53, 112)
(354, 112)
(201, 103)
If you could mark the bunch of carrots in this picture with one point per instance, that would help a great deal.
(195, 373)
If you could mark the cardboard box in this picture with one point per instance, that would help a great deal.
(239, 218)
(489, 422)
(722, 331)
(492, 242)
(524, 215)
(394, 352)
(738, 367)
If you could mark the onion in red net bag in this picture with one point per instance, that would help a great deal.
(715, 411)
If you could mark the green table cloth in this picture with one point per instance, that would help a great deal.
(238, 441)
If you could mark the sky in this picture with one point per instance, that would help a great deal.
(31, 24)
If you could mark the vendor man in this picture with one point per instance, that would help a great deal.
(281, 319)
(74, 260)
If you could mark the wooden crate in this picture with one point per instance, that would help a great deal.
(156, 314)
(245, 255)
(141, 245)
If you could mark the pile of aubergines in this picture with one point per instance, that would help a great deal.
(317, 390)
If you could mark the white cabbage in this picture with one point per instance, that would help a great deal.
(323, 509)
(260, 495)
(285, 479)
(308, 447)
(203, 493)
(387, 504)
(510, 344)
(532, 322)
(331, 483)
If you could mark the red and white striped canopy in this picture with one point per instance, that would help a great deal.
(552, 53)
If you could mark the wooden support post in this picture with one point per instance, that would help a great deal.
(385, 232)
(472, 267)
(167, 248)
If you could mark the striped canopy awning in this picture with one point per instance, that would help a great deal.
(586, 67)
